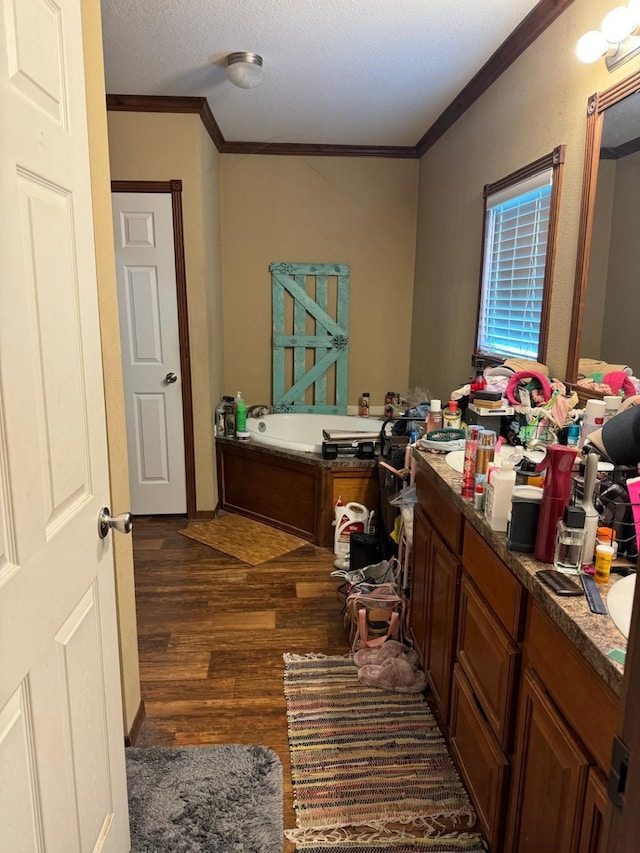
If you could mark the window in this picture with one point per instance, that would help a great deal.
(520, 216)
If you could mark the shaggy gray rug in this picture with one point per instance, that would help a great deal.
(218, 799)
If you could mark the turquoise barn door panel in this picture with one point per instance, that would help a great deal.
(310, 345)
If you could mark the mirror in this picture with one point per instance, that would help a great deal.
(606, 303)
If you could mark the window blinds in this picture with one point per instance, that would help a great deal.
(517, 227)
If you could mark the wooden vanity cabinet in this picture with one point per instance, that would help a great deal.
(422, 531)
(435, 582)
(529, 721)
(550, 777)
(595, 825)
(567, 719)
(490, 621)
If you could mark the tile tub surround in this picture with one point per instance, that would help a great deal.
(592, 635)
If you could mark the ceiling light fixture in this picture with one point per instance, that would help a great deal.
(245, 69)
(617, 39)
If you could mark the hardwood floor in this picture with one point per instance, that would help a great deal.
(212, 632)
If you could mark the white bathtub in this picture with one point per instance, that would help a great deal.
(304, 431)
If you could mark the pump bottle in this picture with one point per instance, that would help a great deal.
(451, 417)
(498, 500)
(241, 414)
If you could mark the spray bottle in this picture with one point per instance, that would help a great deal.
(558, 463)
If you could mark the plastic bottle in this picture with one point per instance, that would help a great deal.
(241, 414)
(451, 417)
(604, 556)
(230, 417)
(498, 500)
(340, 534)
(608, 536)
(611, 406)
(469, 466)
(592, 420)
(573, 434)
(220, 415)
(434, 416)
(478, 383)
(364, 405)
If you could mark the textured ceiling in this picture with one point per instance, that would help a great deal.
(350, 72)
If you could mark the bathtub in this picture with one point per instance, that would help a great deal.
(279, 477)
(304, 432)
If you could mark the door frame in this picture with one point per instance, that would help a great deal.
(174, 188)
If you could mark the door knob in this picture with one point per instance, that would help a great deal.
(170, 378)
(122, 523)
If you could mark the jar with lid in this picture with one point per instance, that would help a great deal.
(607, 536)
(526, 474)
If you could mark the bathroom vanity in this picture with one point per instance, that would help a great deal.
(520, 678)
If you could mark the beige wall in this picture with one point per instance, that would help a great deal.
(110, 336)
(160, 147)
(538, 103)
(360, 211)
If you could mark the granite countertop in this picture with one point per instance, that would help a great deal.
(593, 635)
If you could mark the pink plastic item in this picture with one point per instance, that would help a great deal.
(527, 374)
(617, 380)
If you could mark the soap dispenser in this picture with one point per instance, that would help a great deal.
(558, 463)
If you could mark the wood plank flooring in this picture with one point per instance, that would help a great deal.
(212, 632)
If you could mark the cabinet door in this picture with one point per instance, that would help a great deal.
(550, 777)
(483, 765)
(489, 658)
(593, 835)
(418, 591)
(443, 581)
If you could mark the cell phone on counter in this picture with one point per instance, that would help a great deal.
(559, 583)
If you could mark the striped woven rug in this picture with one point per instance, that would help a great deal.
(364, 760)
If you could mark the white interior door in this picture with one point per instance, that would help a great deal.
(147, 300)
(62, 775)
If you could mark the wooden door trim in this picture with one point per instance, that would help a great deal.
(174, 188)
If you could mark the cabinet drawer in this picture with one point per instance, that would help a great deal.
(490, 660)
(482, 763)
(502, 590)
(590, 707)
(443, 514)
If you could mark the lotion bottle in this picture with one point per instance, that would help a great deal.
(498, 500)
(434, 416)
(452, 417)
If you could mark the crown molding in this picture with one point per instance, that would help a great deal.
(536, 22)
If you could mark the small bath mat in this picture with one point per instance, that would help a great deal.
(249, 541)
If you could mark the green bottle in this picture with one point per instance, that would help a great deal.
(241, 414)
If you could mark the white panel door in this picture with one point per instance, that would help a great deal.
(62, 774)
(147, 300)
